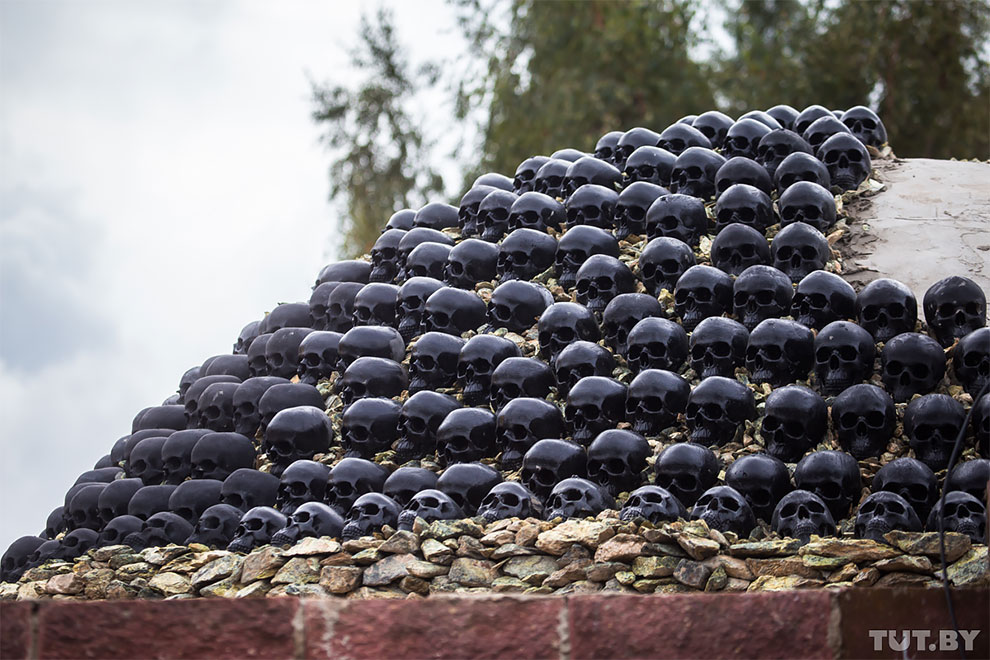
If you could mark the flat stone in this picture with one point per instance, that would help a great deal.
(857, 550)
(672, 588)
(647, 585)
(312, 545)
(400, 543)
(253, 590)
(527, 534)
(340, 579)
(436, 552)
(426, 570)
(971, 570)
(507, 584)
(367, 557)
(783, 583)
(138, 569)
(825, 563)
(625, 578)
(300, 590)
(866, 577)
(733, 566)
(449, 529)
(512, 550)
(717, 580)
(355, 546)
(41, 574)
(193, 561)
(106, 552)
(657, 536)
(117, 590)
(472, 572)
(588, 533)
(225, 588)
(443, 584)
(66, 584)
(692, 573)
(654, 567)
(122, 559)
(846, 573)
(366, 593)
(697, 547)
(217, 569)
(570, 573)
(906, 563)
(603, 572)
(468, 546)
(414, 585)
(773, 548)
(339, 559)
(666, 549)
(902, 579)
(579, 587)
(97, 581)
(387, 570)
(159, 556)
(261, 564)
(736, 584)
(621, 547)
(8, 591)
(298, 570)
(531, 570)
(926, 543)
(781, 567)
(500, 537)
(170, 584)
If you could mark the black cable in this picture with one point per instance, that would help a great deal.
(953, 457)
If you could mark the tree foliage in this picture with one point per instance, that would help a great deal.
(381, 158)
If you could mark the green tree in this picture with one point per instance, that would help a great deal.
(381, 157)
(562, 74)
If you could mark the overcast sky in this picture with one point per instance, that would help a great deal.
(161, 185)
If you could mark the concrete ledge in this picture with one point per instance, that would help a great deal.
(786, 624)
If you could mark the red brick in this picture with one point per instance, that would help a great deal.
(167, 629)
(440, 627)
(791, 624)
(863, 610)
(15, 630)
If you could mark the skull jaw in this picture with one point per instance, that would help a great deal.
(716, 434)
(287, 536)
(803, 529)
(411, 449)
(970, 528)
(863, 446)
(788, 451)
(409, 326)
(243, 544)
(355, 530)
(874, 529)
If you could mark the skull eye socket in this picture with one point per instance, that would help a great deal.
(426, 362)
(771, 423)
(815, 507)
(854, 156)
(510, 499)
(234, 500)
(343, 489)
(254, 524)
(894, 367)
(669, 223)
(972, 359)
(788, 510)
(919, 371)
(896, 508)
(729, 503)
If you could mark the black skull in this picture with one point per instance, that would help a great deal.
(795, 419)
(549, 462)
(495, 180)
(414, 238)
(677, 216)
(718, 347)
(430, 505)
(654, 504)
(411, 304)
(964, 514)
(912, 480)
(282, 351)
(605, 148)
(821, 298)
(517, 305)
(372, 377)
(453, 311)
(717, 409)
(594, 404)
(191, 498)
(216, 407)
(467, 213)
(279, 397)
(195, 392)
(188, 378)
(245, 489)
(576, 247)
(467, 484)
(801, 167)
(295, 433)
(145, 461)
(115, 498)
(589, 170)
(303, 481)
(476, 362)
(656, 343)
(579, 360)
(340, 306)
(863, 419)
(216, 526)
(763, 480)
(370, 341)
(760, 293)
(799, 249)
(524, 254)
(592, 205)
(369, 514)
(577, 498)
(436, 215)
(384, 257)
(427, 259)
(525, 176)
(954, 307)
(289, 315)
(971, 476)
(971, 361)
(353, 270)
(910, 364)
(159, 530)
(118, 529)
(784, 114)
(256, 528)
(743, 138)
(433, 361)
(83, 511)
(932, 423)
(777, 145)
(686, 470)
(807, 202)
(886, 308)
(369, 426)
(318, 359)
(471, 261)
(847, 161)
(623, 313)
(744, 204)
(493, 215)
(655, 399)
(319, 306)
(521, 423)
(550, 178)
(518, 377)
(17, 557)
(694, 172)
(844, 355)
(466, 435)
(375, 304)
(536, 211)
(724, 509)
(981, 425)
(736, 248)
(663, 261)
(807, 116)
(149, 500)
(678, 138)
(310, 519)
(649, 165)
(257, 366)
(865, 125)
(247, 416)
(405, 482)
(616, 460)
(713, 125)
(801, 514)
(631, 208)
(419, 420)
(169, 416)
(509, 499)
(780, 352)
(741, 170)
(351, 478)
(563, 324)
(216, 455)
(702, 292)
(884, 512)
(632, 140)
(821, 129)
